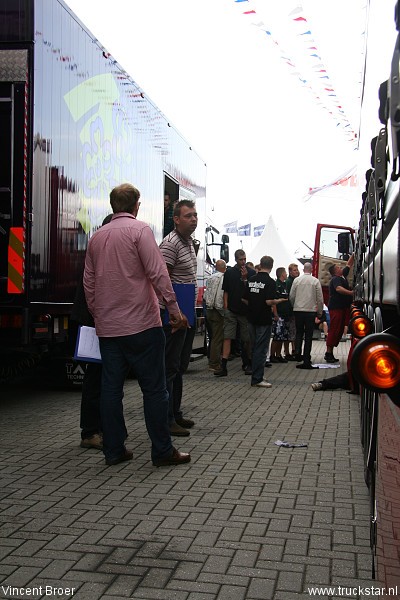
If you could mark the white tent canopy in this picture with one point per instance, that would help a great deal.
(270, 244)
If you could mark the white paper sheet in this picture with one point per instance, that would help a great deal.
(87, 345)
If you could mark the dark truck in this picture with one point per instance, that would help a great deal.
(73, 125)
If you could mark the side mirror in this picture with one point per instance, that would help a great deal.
(225, 239)
(224, 252)
(344, 242)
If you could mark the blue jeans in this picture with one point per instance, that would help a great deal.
(144, 353)
(260, 336)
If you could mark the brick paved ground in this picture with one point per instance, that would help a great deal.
(244, 520)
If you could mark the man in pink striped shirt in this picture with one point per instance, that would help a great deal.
(125, 276)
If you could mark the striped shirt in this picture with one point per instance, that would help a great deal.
(180, 256)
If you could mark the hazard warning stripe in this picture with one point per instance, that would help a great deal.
(15, 282)
(16, 245)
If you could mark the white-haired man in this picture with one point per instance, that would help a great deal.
(307, 300)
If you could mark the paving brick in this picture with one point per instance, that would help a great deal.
(217, 564)
(290, 581)
(230, 592)
(60, 542)
(188, 570)
(123, 586)
(261, 589)
(317, 575)
(21, 576)
(143, 593)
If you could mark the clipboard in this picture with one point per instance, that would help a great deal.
(87, 347)
(185, 296)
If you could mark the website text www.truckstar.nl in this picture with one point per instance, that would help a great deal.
(342, 591)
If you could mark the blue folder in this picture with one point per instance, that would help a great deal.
(185, 296)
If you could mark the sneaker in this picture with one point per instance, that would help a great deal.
(177, 430)
(95, 441)
(329, 358)
(268, 364)
(316, 386)
(262, 384)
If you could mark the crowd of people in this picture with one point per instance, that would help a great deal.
(141, 298)
(272, 320)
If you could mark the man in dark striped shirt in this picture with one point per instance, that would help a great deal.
(180, 256)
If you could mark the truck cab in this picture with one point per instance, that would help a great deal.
(334, 244)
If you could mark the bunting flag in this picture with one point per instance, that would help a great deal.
(257, 231)
(244, 229)
(348, 178)
(231, 227)
(305, 61)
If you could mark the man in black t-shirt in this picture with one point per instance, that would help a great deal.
(235, 310)
(340, 297)
(260, 295)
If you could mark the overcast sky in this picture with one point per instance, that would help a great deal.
(224, 83)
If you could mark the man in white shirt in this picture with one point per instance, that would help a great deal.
(307, 301)
(214, 299)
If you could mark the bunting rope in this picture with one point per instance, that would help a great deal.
(313, 73)
(348, 178)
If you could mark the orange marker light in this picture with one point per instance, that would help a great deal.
(382, 368)
(375, 362)
(360, 326)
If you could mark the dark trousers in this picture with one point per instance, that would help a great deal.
(304, 328)
(337, 382)
(90, 402)
(177, 388)
(144, 353)
(178, 348)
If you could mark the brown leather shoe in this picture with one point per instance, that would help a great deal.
(95, 441)
(177, 430)
(128, 455)
(188, 423)
(176, 458)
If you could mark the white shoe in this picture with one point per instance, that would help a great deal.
(316, 386)
(262, 384)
